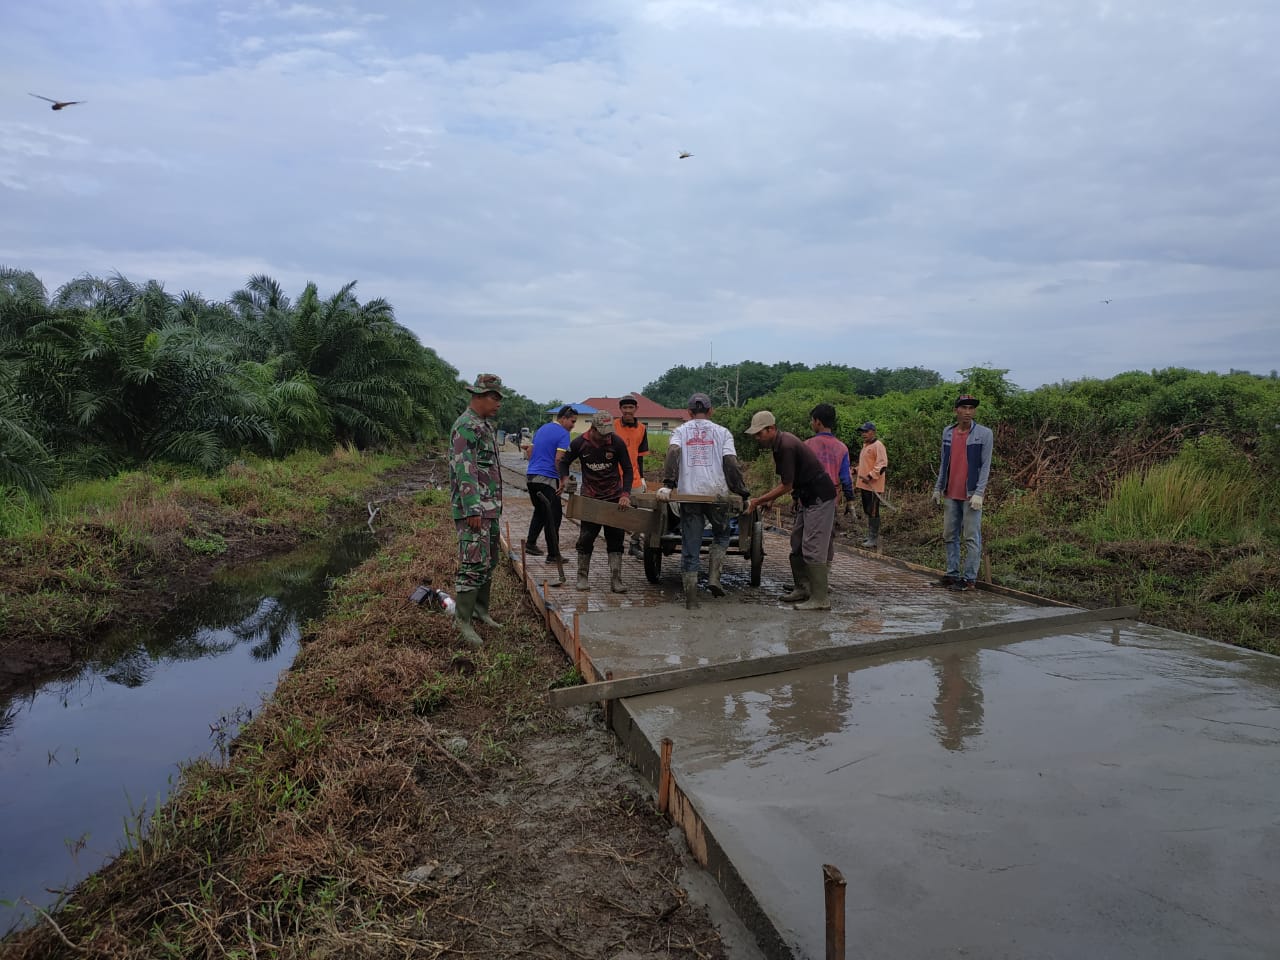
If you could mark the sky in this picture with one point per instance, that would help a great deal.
(1059, 188)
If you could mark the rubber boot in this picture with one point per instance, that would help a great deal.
(482, 606)
(818, 573)
(466, 601)
(637, 550)
(874, 525)
(715, 566)
(690, 581)
(584, 568)
(615, 573)
(799, 592)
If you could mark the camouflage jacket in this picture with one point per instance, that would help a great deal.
(475, 478)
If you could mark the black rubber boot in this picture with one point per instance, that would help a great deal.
(584, 571)
(615, 573)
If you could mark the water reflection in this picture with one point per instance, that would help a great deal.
(80, 756)
(957, 710)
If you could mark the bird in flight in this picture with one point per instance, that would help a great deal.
(1104, 301)
(57, 104)
(684, 154)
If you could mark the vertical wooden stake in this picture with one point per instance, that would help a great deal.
(833, 887)
(664, 777)
(546, 604)
(577, 645)
(986, 567)
(608, 705)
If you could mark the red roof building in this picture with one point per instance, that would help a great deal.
(653, 415)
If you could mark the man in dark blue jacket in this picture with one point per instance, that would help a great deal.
(962, 483)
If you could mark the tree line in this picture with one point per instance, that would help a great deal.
(106, 374)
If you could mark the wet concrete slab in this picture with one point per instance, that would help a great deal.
(1108, 790)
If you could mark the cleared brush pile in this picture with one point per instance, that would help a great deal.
(397, 799)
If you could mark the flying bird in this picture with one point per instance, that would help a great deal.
(1104, 301)
(684, 154)
(57, 104)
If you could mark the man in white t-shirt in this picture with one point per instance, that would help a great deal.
(701, 459)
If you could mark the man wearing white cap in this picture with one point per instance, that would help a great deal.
(701, 459)
(801, 474)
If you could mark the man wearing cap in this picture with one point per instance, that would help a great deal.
(606, 475)
(635, 435)
(873, 461)
(962, 483)
(475, 485)
(813, 533)
(542, 477)
(701, 459)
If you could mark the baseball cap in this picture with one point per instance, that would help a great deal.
(966, 400)
(628, 401)
(566, 411)
(699, 401)
(603, 422)
(488, 383)
(761, 420)
(866, 426)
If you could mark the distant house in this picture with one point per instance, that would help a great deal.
(656, 417)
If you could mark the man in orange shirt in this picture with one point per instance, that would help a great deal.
(636, 436)
(873, 461)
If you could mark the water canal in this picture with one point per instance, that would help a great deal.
(83, 756)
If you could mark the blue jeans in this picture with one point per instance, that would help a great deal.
(693, 518)
(958, 519)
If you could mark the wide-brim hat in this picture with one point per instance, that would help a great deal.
(488, 383)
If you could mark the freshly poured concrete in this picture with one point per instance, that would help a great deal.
(1113, 792)
(1107, 791)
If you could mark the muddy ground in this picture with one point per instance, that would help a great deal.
(487, 826)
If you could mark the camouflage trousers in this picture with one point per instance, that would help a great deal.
(477, 554)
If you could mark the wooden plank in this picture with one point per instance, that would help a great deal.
(634, 519)
(650, 500)
(739, 669)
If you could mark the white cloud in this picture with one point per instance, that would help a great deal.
(938, 183)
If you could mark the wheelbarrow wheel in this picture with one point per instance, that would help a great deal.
(757, 551)
(653, 563)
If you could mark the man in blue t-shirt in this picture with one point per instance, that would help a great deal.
(542, 477)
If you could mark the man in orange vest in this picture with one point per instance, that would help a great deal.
(636, 436)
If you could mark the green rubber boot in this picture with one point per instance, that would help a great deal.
(482, 606)
(466, 608)
(715, 566)
(690, 581)
(818, 573)
(800, 572)
(615, 573)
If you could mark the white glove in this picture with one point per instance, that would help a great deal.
(663, 494)
(937, 497)
(640, 487)
(975, 502)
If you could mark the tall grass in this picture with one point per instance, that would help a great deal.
(1180, 499)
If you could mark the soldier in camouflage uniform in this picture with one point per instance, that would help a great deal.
(475, 481)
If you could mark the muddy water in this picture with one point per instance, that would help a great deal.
(81, 756)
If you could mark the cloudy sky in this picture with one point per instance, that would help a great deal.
(1063, 188)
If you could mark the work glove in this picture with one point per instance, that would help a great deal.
(937, 497)
(640, 487)
(663, 494)
(975, 502)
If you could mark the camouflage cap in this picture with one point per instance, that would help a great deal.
(603, 422)
(488, 383)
